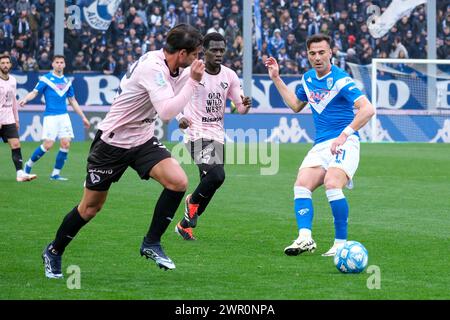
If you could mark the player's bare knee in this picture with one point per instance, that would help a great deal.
(15, 145)
(332, 184)
(179, 184)
(90, 211)
(65, 144)
(48, 145)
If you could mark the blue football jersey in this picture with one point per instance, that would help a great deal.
(56, 90)
(331, 99)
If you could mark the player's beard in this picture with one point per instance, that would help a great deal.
(4, 71)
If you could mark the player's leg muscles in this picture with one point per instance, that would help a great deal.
(90, 204)
(61, 156)
(211, 179)
(16, 153)
(334, 181)
(174, 180)
(308, 179)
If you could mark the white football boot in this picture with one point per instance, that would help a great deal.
(300, 245)
(332, 251)
(22, 176)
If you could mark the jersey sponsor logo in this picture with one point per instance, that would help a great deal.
(148, 120)
(214, 103)
(211, 119)
(319, 95)
(101, 171)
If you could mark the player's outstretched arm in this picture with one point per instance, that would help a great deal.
(76, 107)
(30, 96)
(365, 112)
(288, 96)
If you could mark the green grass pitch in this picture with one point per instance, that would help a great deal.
(399, 210)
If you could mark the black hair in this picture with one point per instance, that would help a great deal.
(5, 56)
(318, 38)
(58, 56)
(212, 36)
(183, 36)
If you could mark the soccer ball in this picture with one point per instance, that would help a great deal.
(351, 257)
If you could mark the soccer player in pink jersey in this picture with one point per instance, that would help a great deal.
(9, 117)
(126, 138)
(203, 120)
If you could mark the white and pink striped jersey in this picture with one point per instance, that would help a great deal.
(207, 106)
(130, 120)
(8, 103)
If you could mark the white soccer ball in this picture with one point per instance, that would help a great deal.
(351, 257)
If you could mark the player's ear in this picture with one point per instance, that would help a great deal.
(182, 53)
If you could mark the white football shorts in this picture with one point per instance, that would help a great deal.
(57, 126)
(320, 156)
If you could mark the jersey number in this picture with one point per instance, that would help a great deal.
(128, 75)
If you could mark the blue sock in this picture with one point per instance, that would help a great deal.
(38, 153)
(303, 207)
(339, 207)
(61, 158)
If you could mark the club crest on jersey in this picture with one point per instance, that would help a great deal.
(224, 85)
(329, 83)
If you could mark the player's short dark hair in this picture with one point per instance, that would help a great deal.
(183, 36)
(213, 36)
(318, 38)
(58, 56)
(5, 56)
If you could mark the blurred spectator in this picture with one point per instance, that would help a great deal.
(44, 62)
(171, 16)
(80, 64)
(30, 64)
(398, 49)
(260, 67)
(7, 27)
(109, 67)
(276, 43)
(443, 52)
(216, 28)
(292, 47)
(47, 18)
(138, 26)
(23, 5)
(5, 42)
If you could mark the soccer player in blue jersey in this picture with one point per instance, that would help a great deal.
(333, 160)
(56, 89)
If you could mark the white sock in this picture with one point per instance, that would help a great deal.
(304, 233)
(55, 172)
(30, 163)
(338, 242)
(20, 173)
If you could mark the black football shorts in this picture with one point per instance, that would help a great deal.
(107, 163)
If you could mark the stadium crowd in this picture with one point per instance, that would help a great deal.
(26, 32)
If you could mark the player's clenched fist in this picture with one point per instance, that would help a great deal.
(197, 70)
